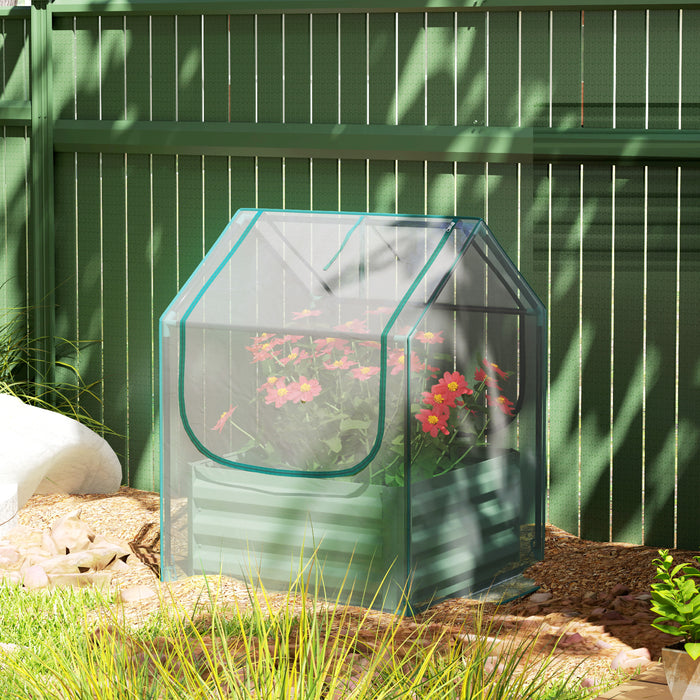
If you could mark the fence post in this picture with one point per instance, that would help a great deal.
(42, 231)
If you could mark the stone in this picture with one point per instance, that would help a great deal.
(8, 556)
(136, 593)
(631, 659)
(539, 598)
(620, 589)
(35, 577)
(71, 534)
(570, 639)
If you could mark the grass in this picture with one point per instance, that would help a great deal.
(73, 646)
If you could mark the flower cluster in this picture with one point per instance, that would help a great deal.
(308, 369)
(446, 393)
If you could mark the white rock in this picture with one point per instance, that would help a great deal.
(24, 537)
(35, 577)
(136, 593)
(8, 556)
(71, 534)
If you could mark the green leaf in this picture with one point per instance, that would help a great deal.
(334, 444)
(669, 629)
(351, 424)
(693, 649)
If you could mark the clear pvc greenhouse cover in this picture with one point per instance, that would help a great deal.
(298, 330)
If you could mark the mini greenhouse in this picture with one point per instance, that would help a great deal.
(367, 389)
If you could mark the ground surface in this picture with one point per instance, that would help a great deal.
(599, 591)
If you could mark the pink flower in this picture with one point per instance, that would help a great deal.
(269, 383)
(438, 396)
(369, 343)
(221, 423)
(343, 363)
(364, 373)
(278, 393)
(304, 390)
(434, 419)
(397, 361)
(262, 351)
(381, 310)
(304, 314)
(430, 338)
(262, 338)
(291, 338)
(295, 356)
(356, 325)
(324, 346)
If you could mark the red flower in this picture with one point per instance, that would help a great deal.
(221, 423)
(496, 369)
(295, 356)
(262, 338)
(269, 383)
(502, 402)
(481, 376)
(439, 396)
(454, 384)
(277, 393)
(430, 338)
(433, 420)
(364, 373)
(291, 338)
(304, 390)
(304, 314)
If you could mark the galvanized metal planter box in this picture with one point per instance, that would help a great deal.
(365, 389)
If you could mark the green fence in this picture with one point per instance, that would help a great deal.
(574, 133)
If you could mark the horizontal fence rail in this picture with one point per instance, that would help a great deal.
(575, 134)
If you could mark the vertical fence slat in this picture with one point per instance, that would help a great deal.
(325, 69)
(440, 55)
(113, 224)
(471, 69)
(216, 68)
(690, 114)
(64, 68)
(410, 185)
(410, 92)
(663, 69)
(163, 67)
(564, 346)
(381, 68)
(566, 69)
(596, 337)
(112, 65)
(297, 69)
(242, 97)
(628, 360)
(503, 69)
(270, 89)
(87, 77)
(143, 457)
(598, 70)
(14, 59)
(353, 185)
(297, 183)
(216, 198)
(440, 185)
(382, 187)
(190, 214)
(324, 184)
(138, 77)
(535, 69)
(661, 356)
(242, 183)
(631, 61)
(688, 386)
(270, 184)
(353, 69)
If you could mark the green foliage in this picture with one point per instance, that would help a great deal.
(21, 365)
(75, 647)
(676, 600)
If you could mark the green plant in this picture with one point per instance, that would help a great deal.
(22, 366)
(676, 600)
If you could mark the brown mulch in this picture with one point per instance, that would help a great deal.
(599, 605)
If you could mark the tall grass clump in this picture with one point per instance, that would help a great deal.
(22, 365)
(296, 647)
